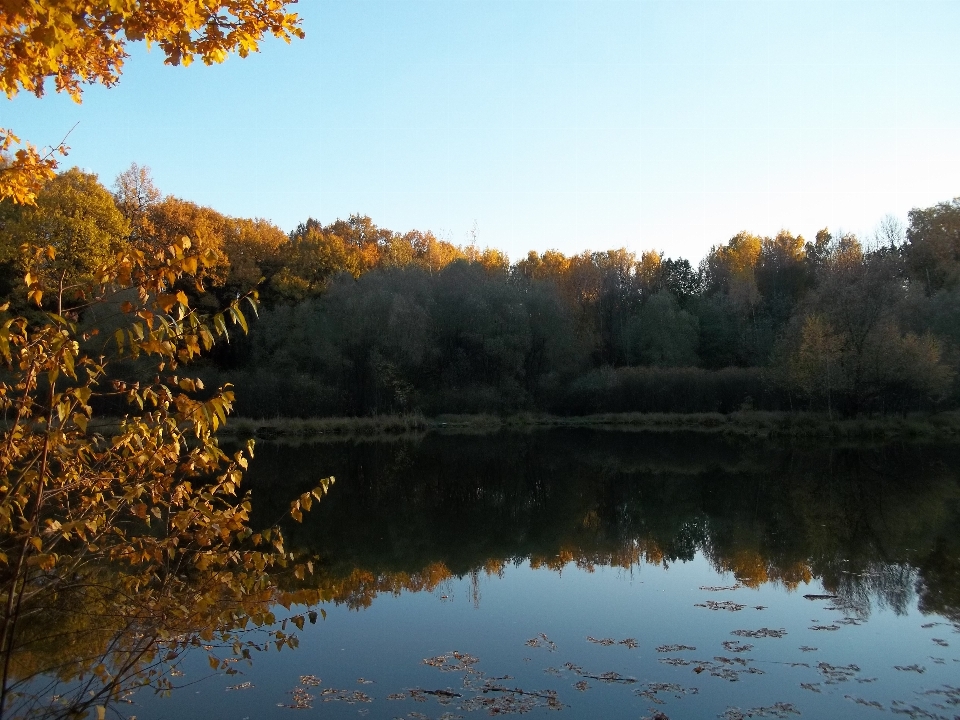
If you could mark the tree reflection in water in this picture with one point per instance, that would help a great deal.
(876, 525)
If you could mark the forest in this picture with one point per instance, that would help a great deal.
(359, 320)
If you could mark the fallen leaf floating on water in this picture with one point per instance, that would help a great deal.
(712, 588)
(542, 640)
(938, 661)
(650, 691)
(837, 673)
(511, 700)
(553, 671)
(777, 710)
(736, 646)
(950, 694)
(242, 686)
(606, 677)
(910, 668)
(674, 648)
(722, 669)
(348, 696)
(814, 687)
(941, 643)
(761, 633)
(301, 700)
(582, 685)
(867, 703)
(453, 662)
(725, 605)
(397, 696)
(898, 707)
(444, 697)
(310, 680)
(731, 661)
(830, 628)
(630, 643)
(364, 681)
(605, 641)
(807, 648)
(848, 621)
(657, 715)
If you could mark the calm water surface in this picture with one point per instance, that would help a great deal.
(615, 575)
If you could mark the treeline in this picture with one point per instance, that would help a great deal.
(358, 320)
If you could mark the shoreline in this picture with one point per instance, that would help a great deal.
(944, 426)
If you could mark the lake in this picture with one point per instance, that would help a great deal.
(591, 573)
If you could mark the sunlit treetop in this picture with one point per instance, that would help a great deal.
(77, 42)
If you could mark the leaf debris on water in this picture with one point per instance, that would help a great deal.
(650, 691)
(837, 673)
(582, 685)
(348, 696)
(866, 703)
(453, 662)
(301, 700)
(761, 633)
(940, 642)
(910, 668)
(242, 686)
(725, 605)
(674, 648)
(777, 710)
(735, 646)
(606, 677)
(606, 642)
(542, 640)
(310, 680)
(720, 588)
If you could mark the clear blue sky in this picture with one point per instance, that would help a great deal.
(567, 124)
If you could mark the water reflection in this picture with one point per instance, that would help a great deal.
(879, 527)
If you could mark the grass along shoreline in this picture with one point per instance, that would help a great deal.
(943, 426)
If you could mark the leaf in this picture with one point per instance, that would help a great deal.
(80, 420)
(239, 318)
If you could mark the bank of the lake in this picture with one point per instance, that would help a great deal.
(944, 426)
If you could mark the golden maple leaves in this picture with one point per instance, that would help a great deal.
(76, 42)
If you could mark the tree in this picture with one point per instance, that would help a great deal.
(77, 218)
(933, 246)
(76, 42)
(143, 527)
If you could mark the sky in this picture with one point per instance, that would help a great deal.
(549, 124)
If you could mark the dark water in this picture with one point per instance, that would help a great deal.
(616, 575)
